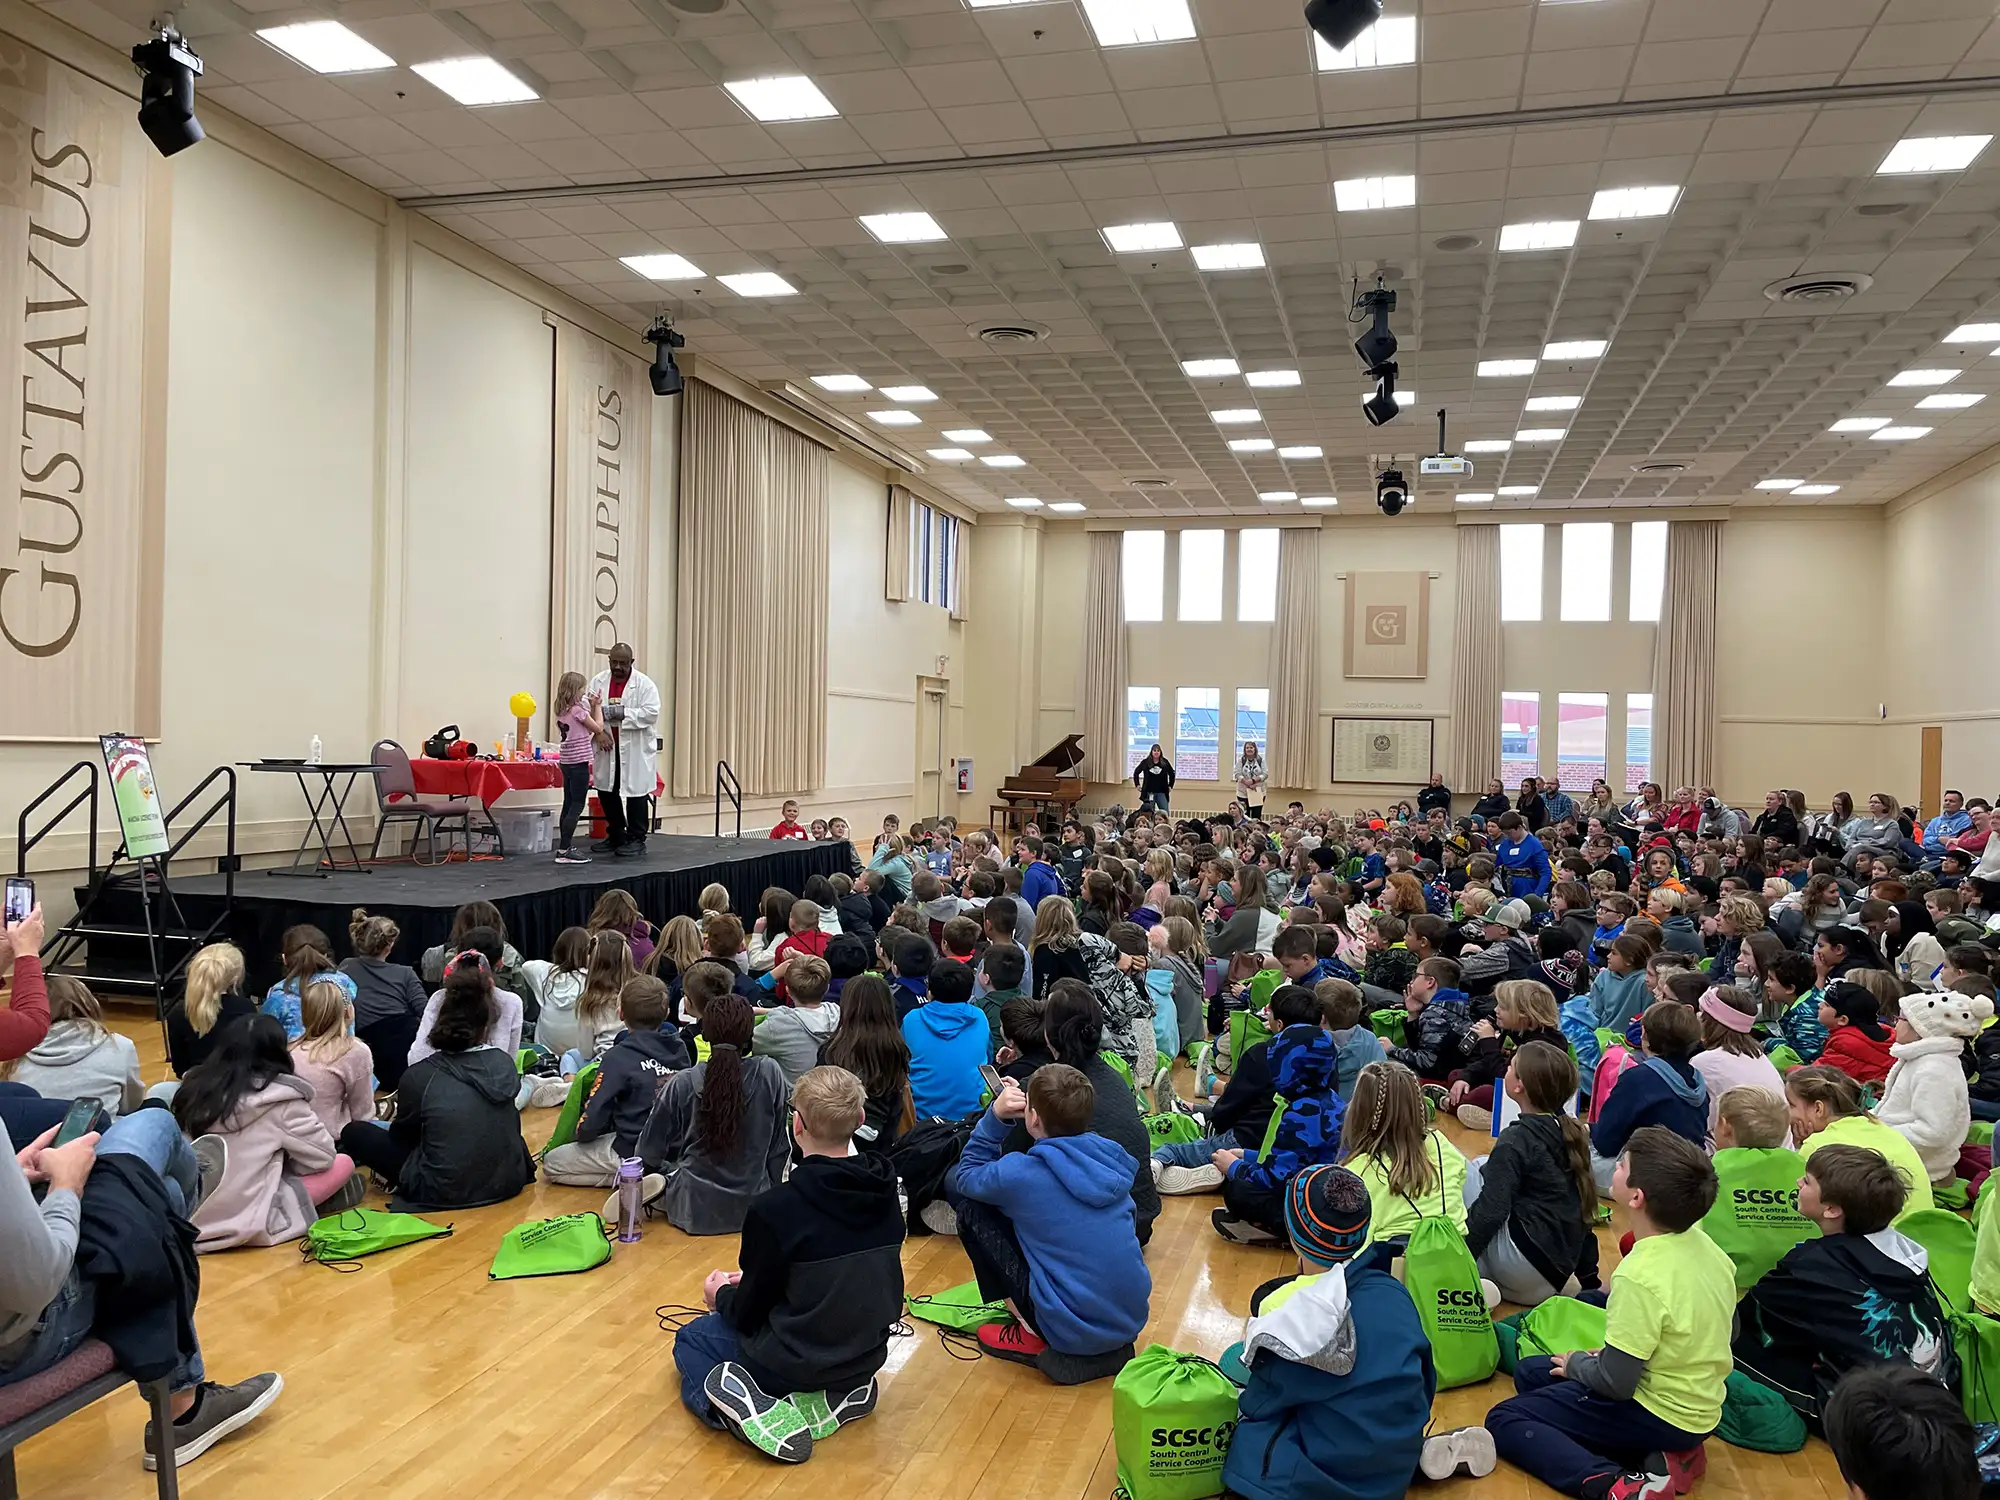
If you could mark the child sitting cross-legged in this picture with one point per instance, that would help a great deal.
(1664, 1089)
(1440, 1022)
(1524, 1011)
(1626, 1422)
(793, 1035)
(1051, 1232)
(788, 1352)
(948, 1037)
(1756, 1218)
(1532, 1203)
(1857, 1294)
(1412, 1172)
(1303, 1060)
(1243, 1113)
(1896, 1432)
(1924, 1098)
(629, 1078)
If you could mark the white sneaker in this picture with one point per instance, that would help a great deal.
(1181, 1182)
(549, 1092)
(939, 1218)
(1490, 1290)
(1472, 1117)
(1465, 1450)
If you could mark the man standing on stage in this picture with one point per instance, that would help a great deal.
(626, 772)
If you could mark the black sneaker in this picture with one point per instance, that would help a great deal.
(571, 857)
(773, 1426)
(1240, 1231)
(605, 846)
(630, 851)
(218, 1411)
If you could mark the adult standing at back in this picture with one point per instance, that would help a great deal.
(1154, 777)
(628, 701)
(1252, 776)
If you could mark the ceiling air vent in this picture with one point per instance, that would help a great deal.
(1880, 210)
(1456, 244)
(1832, 286)
(1664, 468)
(698, 7)
(1151, 482)
(1009, 335)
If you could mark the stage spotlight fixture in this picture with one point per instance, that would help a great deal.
(1392, 491)
(1339, 22)
(168, 67)
(1378, 345)
(1383, 405)
(665, 374)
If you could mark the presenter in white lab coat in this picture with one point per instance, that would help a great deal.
(627, 766)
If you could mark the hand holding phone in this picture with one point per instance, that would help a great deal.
(77, 1121)
(20, 899)
(994, 1082)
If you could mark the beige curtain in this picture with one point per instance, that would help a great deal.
(1293, 728)
(1684, 658)
(896, 555)
(750, 687)
(1100, 678)
(1475, 680)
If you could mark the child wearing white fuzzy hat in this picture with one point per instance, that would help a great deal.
(1924, 1098)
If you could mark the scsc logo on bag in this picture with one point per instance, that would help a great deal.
(1167, 1439)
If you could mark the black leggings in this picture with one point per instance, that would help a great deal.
(987, 1237)
(374, 1148)
(576, 796)
(389, 1041)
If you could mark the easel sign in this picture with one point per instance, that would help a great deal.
(140, 819)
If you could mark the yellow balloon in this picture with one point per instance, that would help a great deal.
(522, 705)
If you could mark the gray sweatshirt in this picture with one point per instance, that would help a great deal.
(37, 1246)
(79, 1061)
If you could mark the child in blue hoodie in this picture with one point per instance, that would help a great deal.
(1664, 1090)
(949, 1040)
(1050, 1231)
(1617, 995)
(1304, 1068)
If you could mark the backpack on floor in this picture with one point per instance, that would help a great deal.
(1172, 1416)
(959, 1307)
(572, 1110)
(1561, 1325)
(923, 1157)
(1173, 1129)
(1443, 1281)
(1392, 1022)
(344, 1238)
(552, 1247)
(1756, 1417)
(1975, 1340)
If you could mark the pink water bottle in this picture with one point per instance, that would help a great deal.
(631, 1173)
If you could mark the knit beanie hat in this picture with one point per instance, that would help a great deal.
(1564, 970)
(1326, 1214)
(1946, 1014)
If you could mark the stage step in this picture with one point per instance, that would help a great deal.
(105, 984)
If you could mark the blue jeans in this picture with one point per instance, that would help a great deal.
(25, 1114)
(154, 1136)
(1193, 1153)
(1565, 1436)
(1157, 801)
(698, 1348)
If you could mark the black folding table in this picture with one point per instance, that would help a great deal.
(326, 802)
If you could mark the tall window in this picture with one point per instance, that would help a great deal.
(1198, 734)
(1145, 575)
(1649, 570)
(1257, 575)
(1520, 572)
(1142, 723)
(934, 542)
(1638, 738)
(1580, 739)
(1586, 570)
(1201, 575)
(1520, 735)
(1253, 712)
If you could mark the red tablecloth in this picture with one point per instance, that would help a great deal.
(487, 780)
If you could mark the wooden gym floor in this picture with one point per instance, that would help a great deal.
(415, 1376)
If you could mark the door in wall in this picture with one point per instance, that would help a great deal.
(932, 695)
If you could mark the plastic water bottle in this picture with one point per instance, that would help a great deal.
(313, 751)
(631, 1173)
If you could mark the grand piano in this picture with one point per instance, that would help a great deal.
(1045, 789)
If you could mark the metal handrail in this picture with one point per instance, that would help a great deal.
(227, 862)
(727, 784)
(24, 842)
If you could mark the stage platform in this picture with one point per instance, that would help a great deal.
(536, 896)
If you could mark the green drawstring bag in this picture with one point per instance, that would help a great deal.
(1443, 1280)
(1980, 1133)
(1393, 1023)
(1950, 1243)
(1975, 1339)
(1784, 1057)
(959, 1307)
(1172, 1416)
(1954, 1194)
(1262, 986)
(552, 1247)
(1756, 1417)
(1508, 1332)
(1561, 1325)
(1756, 1219)
(341, 1240)
(572, 1110)
(1173, 1129)
(1246, 1030)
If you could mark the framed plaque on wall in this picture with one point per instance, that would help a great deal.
(1390, 751)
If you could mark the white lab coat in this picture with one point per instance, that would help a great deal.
(637, 767)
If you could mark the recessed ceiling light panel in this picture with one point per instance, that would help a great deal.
(1817, 489)
(1634, 203)
(1390, 43)
(1277, 497)
(1576, 349)
(1541, 435)
(1244, 257)
(904, 229)
(1505, 369)
(1540, 234)
(1209, 369)
(1476, 497)
(1779, 484)
(664, 267)
(951, 455)
(1519, 491)
(909, 395)
(1925, 377)
(845, 384)
(1066, 507)
(475, 81)
(1360, 194)
(1554, 403)
(1859, 424)
(773, 100)
(1951, 401)
(1133, 23)
(1488, 445)
(1237, 416)
(1899, 434)
(760, 284)
(1932, 153)
(1300, 451)
(1974, 333)
(968, 435)
(1271, 379)
(327, 47)
(1004, 461)
(1024, 502)
(1137, 239)
(895, 418)
(1319, 502)
(1251, 445)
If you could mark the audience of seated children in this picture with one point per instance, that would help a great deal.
(617, 912)
(1524, 1010)
(506, 1016)
(1790, 991)
(1531, 1204)
(1857, 1042)
(1664, 1089)
(279, 1161)
(720, 1133)
(337, 1065)
(1859, 1293)
(389, 998)
(869, 1043)
(1826, 1110)
(214, 1001)
(795, 1034)
(629, 1078)
(1303, 1061)
(1440, 1019)
(1730, 1056)
(78, 1058)
(1242, 1116)
(1411, 1171)
(1924, 1098)
(788, 1351)
(558, 983)
(1050, 1230)
(1341, 1380)
(506, 969)
(1895, 1431)
(1628, 1420)
(455, 1141)
(1756, 1218)
(305, 953)
(1355, 1046)
(949, 1041)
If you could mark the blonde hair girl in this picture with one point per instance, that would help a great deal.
(680, 943)
(215, 971)
(713, 902)
(569, 692)
(1411, 1171)
(331, 1060)
(597, 1007)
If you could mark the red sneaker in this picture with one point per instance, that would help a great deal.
(1010, 1340)
(1640, 1484)
(1685, 1468)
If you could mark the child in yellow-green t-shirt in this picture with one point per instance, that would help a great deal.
(1626, 1422)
